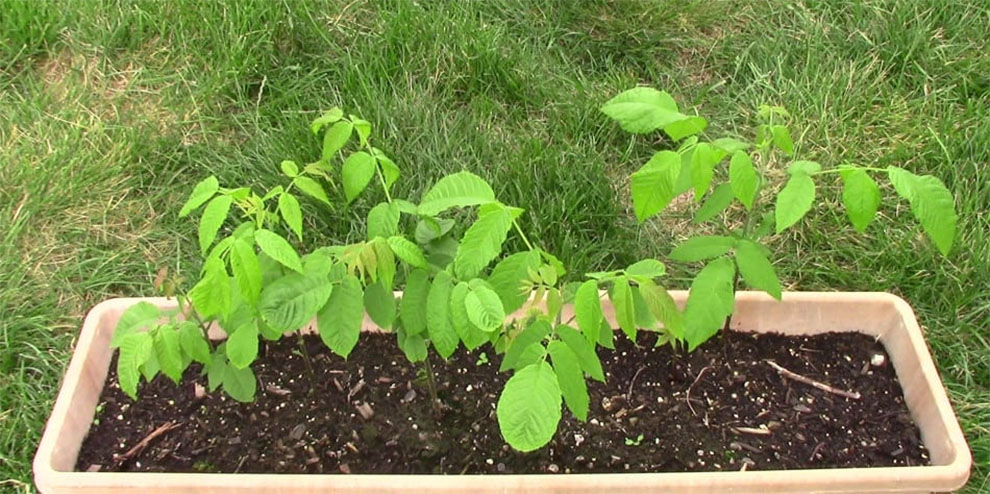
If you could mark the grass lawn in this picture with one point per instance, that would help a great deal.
(109, 111)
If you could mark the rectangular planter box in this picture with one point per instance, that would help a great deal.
(885, 316)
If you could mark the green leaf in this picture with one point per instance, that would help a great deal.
(458, 190)
(584, 350)
(644, 318)
(240, 384)
(335, 138)
(588, 310)
(169, 352)
(484, 308)
(731, 145)
(193, 343)
(642, 110)
(688, 126)
(519, 345)
(931, 203)
(331, 116)
(211, 296)
(383, 220)
(794, 201)
(570, 378)
(408, 252)
(212, 219)
(743, 178)
(201, 193)
(625, 309)
(140, 316)
(363, 128)
(389, 169)
(508, 275)
(710, 301)
(312, 188)
(380, 304)
(804, 167)
(662, 306)
(385, 262)
(860, 196)
(528, 409)
(288, 207)
(247, 270)
(606, 335)
(412, 307)
(438, 323)
(151, 367)
(289, 168)
(429, 229)
(357, 172)
(339, 321)
(782, 139)
(652, 186)
(242, 345)
(702, 247)
(756, 269)
(466, 330)
(291, 301)
(278, 248)
(413, 345)
(135, 350)
(647, 268)
(482, 242)
(703, 161)
(717, 201)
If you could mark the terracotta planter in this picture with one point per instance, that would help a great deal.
(886, 316)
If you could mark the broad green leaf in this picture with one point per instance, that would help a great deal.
(216, 368)
(339, 321)
(389, 169)
(644, 317)
(688, 126)
(570, 378)
(380, 304)
(412, 307)
(138, 317)
(484, 308)
(335, 138)
(756, 269)
(647, 268)
(242, 345)
(860, 196)
(471, 335)
(429, 229)
(782, 139)
(135, 350)
(731, 145)
(931, 203)
(804, 167)
(588, 310)
(625, 309)
(703, 161)
(278, 248)
(405, 206)
(701, 248)
(794, 201)
(383, 220)
(331, 116)
(508, 275)
(211, 221)
(408, 252)
(458, 190)
(202, 192)
(606, 335)
(312, 188)
(385, 262)
(211, 296)
(239, 384)
(289, 168)
(482, 242)
(357, 172)
(743, 178)
(363, 129)
(517, 349)
(290, 302)
(413, 345)
(663, 308)
(717, 201)
(288, 207)
(169, 352)
(652, 186)
(583, 350)
(247, 269)
(528, 409)
(710, 301)
(193, 342)
(642, 110)
(438, 324)
(150, 368)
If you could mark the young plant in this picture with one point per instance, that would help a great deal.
(746, 201)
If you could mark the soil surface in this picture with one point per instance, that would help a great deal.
(721, 407)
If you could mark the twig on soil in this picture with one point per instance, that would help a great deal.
(751, 430)
(631, 383)
(815, 451)
(811, 382)
(137, 448)
(687, 395)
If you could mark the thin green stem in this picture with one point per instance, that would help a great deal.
(838, 170)
(523, 235)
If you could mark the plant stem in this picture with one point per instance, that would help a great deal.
(309, 363)
(431, 385)
(837, 170)
(523, 235)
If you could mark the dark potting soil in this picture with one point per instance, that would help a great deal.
(721, 407)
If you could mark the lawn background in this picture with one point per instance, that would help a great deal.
(111, 110)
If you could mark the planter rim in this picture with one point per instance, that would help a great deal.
(948, 475)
